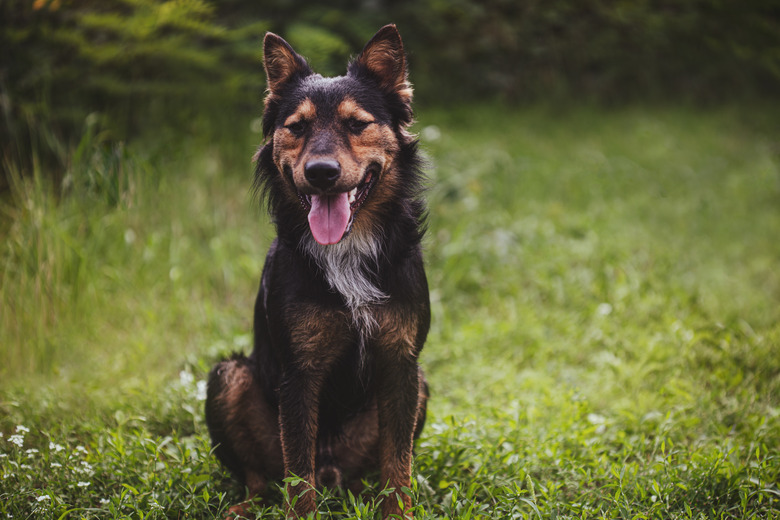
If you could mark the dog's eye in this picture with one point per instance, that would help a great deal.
(297, 128)
(356, 126)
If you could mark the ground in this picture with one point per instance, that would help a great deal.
(606, 321)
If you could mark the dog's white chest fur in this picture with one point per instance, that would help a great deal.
(348, 266)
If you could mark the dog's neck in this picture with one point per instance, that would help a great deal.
(348, 267)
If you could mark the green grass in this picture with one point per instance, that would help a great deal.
(605, 344)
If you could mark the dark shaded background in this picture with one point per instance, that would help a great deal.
(194, 66)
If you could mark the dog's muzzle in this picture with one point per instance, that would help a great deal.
(322, 173)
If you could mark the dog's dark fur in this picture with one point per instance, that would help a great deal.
(333, 389)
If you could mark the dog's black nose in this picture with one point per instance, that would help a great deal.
(322, 173)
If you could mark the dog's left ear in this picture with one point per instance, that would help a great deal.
(383, 58)
(282, 63)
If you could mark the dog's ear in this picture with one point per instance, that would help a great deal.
(384, 59)
(281, 62)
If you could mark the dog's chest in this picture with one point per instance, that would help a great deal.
(350, 268)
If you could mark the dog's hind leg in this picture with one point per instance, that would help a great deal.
(423, 394)
(244, 428)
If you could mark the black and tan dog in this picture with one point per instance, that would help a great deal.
(333, 389)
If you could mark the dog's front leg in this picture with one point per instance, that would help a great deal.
(310, 340)
(298, 407)
(398, 400)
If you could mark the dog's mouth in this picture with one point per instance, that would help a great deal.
(331, 214)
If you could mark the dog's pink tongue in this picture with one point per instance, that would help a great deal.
(328, 217)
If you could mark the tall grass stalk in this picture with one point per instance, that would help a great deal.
(52, 248)
(122, 262)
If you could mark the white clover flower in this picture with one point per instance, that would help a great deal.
(43, 497)
(200, 391)
(85, 469)
(242, 341)
(23, 429)
(431, 133)
(604, 309)
(16, 439)
(186, 378)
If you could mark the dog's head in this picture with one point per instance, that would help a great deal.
(334, 142)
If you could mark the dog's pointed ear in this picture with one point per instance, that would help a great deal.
(281, 62)
(384, 59)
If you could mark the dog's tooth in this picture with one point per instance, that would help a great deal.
(352, 195)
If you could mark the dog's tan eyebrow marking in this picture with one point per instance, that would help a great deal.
(349, 109)
(306, 111)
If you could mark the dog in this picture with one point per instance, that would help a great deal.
(332, 390)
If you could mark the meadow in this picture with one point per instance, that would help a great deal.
(605, 287)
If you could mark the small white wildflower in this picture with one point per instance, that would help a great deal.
(81, 449)
(594, 418)
(83, 484)
(604, 309)
(242, 341)
(31, 451)
(200, 391)
(8, 475)
(23, 429)
(185, 378)
(1, 435)
(55, 447)
(56, 465)
(104, 501)
(431, 133)
(85, 469)
(43, 497)
(3, 455)
(16, 439)
(25, 466)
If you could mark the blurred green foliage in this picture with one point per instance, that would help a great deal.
(189, 64)
(603, 50)
(135, 64)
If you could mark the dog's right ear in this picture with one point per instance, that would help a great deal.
(384, 59)
(282, 64)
